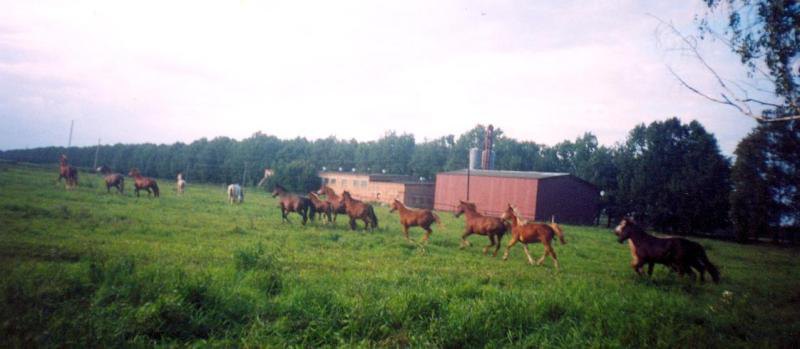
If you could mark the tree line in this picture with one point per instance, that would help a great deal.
(670, 174)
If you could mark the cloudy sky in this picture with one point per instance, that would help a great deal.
(167, 71)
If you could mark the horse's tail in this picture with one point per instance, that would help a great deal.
(557, 229)
(155, 189)
(437, 220)
(372, 216)
(312, 209)
(712, 269)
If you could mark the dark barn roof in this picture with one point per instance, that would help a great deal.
(510, 174)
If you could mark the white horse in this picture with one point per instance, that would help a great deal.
(181, 183)
(235, 194)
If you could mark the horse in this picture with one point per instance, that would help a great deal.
(335, 200)
(116, 180)
(67, 172)
(679, 254)
(235, 194)
(529, 232)
(293, 203)
(356, 209)
(323, 208)
(181, 184)
(415, 218)
(476, 223)
(141, 182)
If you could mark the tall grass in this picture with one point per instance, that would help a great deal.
(86, 268)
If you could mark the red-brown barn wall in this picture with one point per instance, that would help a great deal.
(490, 194)
(571, 200)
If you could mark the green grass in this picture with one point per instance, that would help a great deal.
(86, 268)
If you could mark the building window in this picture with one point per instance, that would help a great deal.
(325, 181)
(333, 180)
(355, 183)
(363, 184)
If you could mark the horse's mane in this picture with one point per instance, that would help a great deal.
(520, 221)
(279, 187)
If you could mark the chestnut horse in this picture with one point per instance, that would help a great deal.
(116, 180)
(67, 172)
(527, 232)
(293, 203)
(415, 218)
(677, 253)
(335, 200)
(476, 223)
(323, 208)
(356, 209)
(141, 182)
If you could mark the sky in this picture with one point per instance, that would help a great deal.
(176, 71)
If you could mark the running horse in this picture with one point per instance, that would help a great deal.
(415, 218)
(476, 223)
(143, 183)
(356, 209)
(335, 200)
(679, 254)
(324, 208)
(67, 172)
(529, 232)
(116, 180)
(293, 203)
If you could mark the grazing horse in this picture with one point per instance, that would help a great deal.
(181, 184)
(335, 200)
(415, 218)
(356, 209)
(141, 182)
(116, 180)
(67, 172)
(293, 203)
(235, 194)
(677, 253)
(323, 208)
(476, 223)
(528, 232)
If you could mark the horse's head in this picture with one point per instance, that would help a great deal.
(625, 228)
(509, 214)
(278, 190)
(323, 190)
(134, 172)
(464, 206)
(346, 196)
(62, 159)
(395, 205)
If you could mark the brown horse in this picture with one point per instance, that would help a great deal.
(323, 208)
(526, 232)
(677, 253)
(67, 172)
(141, 182)
(415, 218)
(476, 223)
(293, 203)
(356, 209)
(116, 180)
(335, 200)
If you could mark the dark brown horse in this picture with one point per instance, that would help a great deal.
(116, 180)
(476, 223)
(293, 203)
(143, 183)
(679, 254)
(324, 208)
(335, 200)
(527, 232)
(415, 218)
(356, 209)
(67, 172)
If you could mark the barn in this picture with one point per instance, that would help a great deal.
(537, 195)
(383, 188)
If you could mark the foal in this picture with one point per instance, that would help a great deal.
(293, 203)
(335, 200)
(356, 209)
(141, 182)
(677, 253)
(415, 218)
(526, 233)
(476, 223)
(323, 208)
(116, 180)
(67, 172)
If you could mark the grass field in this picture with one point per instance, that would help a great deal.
(86, 268)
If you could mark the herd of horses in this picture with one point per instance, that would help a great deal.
(678, 254)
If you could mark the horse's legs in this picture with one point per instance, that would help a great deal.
(497, 240)
(352, 223)
(527, 253)
(303, 213)
(137, 192)
(650, 268)
(553, 255)
(464, 241)
(428, 233)
(405, 232)
(491, 243)
(508, 247)
(638, 266)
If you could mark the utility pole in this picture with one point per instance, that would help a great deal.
(468, 172)
(96, 152)
(71, 124)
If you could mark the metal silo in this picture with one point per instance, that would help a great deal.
(474, 159)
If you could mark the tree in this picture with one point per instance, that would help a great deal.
(298, 176)
(674, 176)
